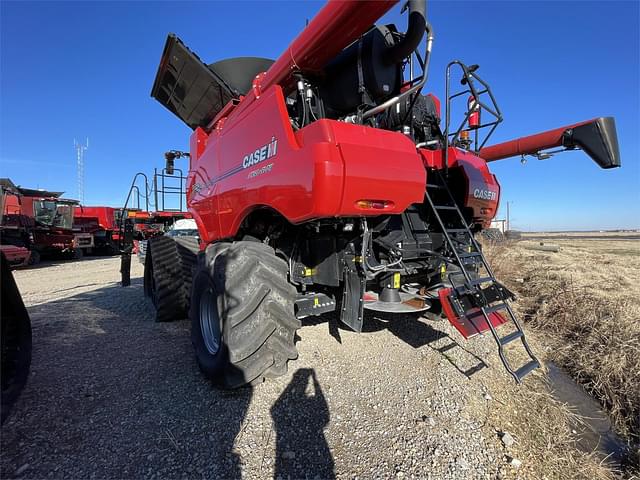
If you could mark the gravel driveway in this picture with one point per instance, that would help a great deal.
(112, 394)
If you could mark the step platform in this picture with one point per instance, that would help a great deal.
(473, 323)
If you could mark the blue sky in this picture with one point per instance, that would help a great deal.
(71, 70)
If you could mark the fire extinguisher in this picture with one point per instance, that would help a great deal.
(473, 107)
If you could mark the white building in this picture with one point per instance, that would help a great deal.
(499, 224)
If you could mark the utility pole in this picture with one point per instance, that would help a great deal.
(508, 221)
(80, 149)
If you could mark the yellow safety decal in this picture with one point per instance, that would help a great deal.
(443, 271)
(396, 280)
(308, 272)
(316, 302)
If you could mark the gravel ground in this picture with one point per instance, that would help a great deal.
(112, 394)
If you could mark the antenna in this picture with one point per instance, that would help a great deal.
(80, 149)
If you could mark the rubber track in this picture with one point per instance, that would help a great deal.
(260, 302)
(187, 248)
(172, 263)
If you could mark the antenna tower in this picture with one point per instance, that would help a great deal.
(80, 149)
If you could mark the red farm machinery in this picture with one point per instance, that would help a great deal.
(326, 181)
(151, 210)
(97, 229)
(38, 221)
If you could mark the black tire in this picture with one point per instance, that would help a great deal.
(243, 286)
(34, 259)
(110, 248)
(167, 276)
(15, 339)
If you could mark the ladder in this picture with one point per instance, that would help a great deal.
(480, 294)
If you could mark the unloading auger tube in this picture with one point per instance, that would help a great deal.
(323, 181)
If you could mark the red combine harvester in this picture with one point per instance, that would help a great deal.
(325, 181)
(164, 205)
(39, 221)
(103, 226)
(16, 254)
(154, 207)
(150, 224)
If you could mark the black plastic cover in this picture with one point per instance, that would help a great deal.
(598, 139)
(238, 73)
(340, 88)
(188, 87)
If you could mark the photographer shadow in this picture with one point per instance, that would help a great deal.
(300, 416)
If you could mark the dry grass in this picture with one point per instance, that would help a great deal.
(542, 428)
(587, 297)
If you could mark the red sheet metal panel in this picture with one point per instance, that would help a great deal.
(471, 325)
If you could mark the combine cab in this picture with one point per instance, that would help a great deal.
(39, 221)
(326, 181)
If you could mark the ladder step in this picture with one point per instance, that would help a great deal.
(457, 230)
(495, 308)
(469, 254)
(526, 369)
(445, 207)
(433, 185)
(478, 281)
(511, 337)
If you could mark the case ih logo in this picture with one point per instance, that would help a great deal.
(485, 194)
(261, 154)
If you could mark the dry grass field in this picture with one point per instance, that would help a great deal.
(585, 299)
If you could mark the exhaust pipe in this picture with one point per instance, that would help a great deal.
(412, 37)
